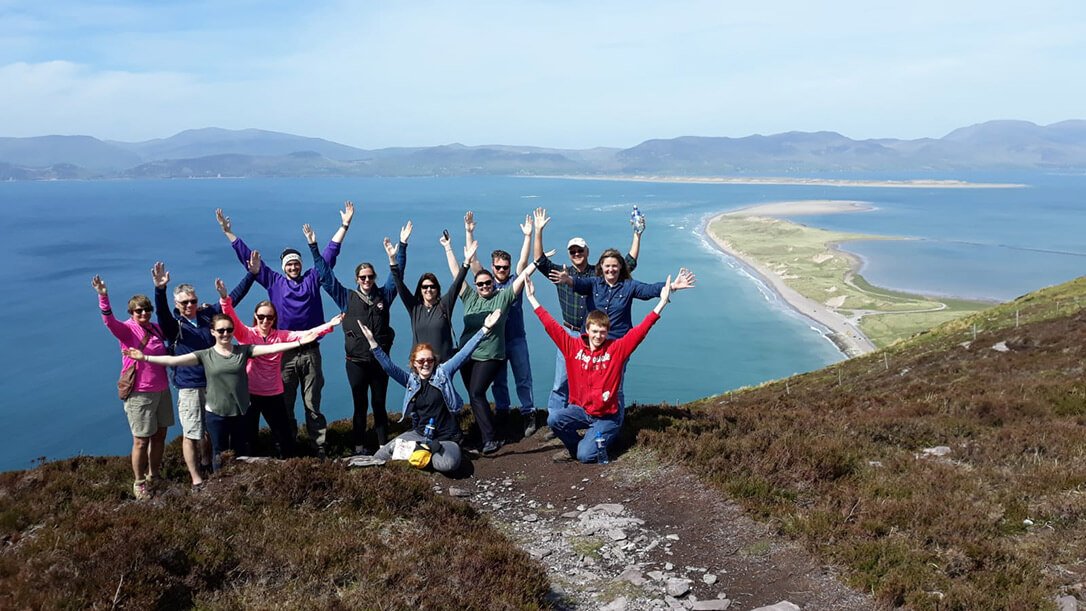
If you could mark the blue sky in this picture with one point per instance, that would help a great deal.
(549, 73)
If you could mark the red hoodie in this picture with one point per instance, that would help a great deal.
(595, 375)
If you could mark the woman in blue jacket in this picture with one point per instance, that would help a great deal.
(430, 395)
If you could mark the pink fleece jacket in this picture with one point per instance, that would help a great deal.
(149, 377)
(265, 376)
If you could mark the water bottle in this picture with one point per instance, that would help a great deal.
(428, 434)
(601, 449)
(637, 220)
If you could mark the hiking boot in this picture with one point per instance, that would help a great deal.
(140, 490)
(491, 446)
(530, 426)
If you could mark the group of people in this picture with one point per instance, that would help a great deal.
(224, 387)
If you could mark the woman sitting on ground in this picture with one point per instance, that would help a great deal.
(265, 375)
(147, 402)
(227, 381)
(431, 395)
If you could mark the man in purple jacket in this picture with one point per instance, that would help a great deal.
(296, 296)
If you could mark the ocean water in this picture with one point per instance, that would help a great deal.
(60, 363)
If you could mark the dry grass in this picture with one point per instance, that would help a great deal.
(297, 534)
(834, 458)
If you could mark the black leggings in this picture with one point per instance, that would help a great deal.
(478, 376)
(276, 415)
(368, 376)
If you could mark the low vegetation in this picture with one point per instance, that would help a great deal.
(847, 459)
(295, 535)
(806, 260)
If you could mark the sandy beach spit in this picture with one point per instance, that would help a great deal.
(843, 332)
(803, 208)
(823, 182)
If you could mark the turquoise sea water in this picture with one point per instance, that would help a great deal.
(60, 363)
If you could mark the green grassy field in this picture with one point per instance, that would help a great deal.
(804, 258)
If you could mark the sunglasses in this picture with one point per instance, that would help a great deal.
(500, 267)
(186, 302)
(141, 310)
(484, 283)
(429, 361)
(576, 250)
(365, 277)
(429, 287)
(224, 330)
(265, 316)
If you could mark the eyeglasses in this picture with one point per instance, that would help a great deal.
(186, 302)
(500, 267)
(484, 283)
(364, 277)
(265, 316)
(224, 330)
(141, 310)
(425, 361)
(576, 250)
(429, 287)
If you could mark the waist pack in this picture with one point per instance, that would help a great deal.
(127, 381)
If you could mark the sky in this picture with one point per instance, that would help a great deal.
(553, 73)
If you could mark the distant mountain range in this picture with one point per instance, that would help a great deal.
(213, 152)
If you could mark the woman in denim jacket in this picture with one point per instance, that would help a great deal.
(430, 395)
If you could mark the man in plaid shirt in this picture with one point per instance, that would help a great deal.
(574, 307)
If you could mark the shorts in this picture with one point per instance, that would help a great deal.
(190, 410)
(148, 412)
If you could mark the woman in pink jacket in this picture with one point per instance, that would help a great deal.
(265, 376)
(148, 403)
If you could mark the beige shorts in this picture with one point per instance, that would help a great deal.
(190, 410)
(148, 411)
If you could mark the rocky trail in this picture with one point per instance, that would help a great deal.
(635, 534)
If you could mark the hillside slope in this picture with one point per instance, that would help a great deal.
(945, 472)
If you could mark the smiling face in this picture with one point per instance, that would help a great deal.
(597, 335)
(365, 277)
(484, 284)
(223, 330)
(423, 363)
(610, 267)
(139, 308)
(501, 268)
(186, 303)
(578, 256)
(429, 290)
(293, 269)
(265, 318)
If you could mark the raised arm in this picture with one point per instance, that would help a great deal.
(161, 279)
(469, 237)
(119, 330)
(397, 258)
(262, 349)
(328, 280)
(242, 332)
(464, 353)
(224, 223)
(635, 244)
(450, 256)
(539, 221)
(265, 276)
(393, 370)
(345, 216)
(518, 284)
(526, 229)
(665, 297)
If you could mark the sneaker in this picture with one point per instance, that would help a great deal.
(491, 446)
(140, 490)
(530, 426)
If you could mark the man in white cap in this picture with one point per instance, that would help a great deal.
(574, 306)
(296, 296)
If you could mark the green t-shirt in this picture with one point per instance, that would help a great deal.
(227, 381)
(476, 309)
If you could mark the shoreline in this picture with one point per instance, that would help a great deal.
(920, 183)
(842, 332)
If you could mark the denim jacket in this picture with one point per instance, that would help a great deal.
(442, 378)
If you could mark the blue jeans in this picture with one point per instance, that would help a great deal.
(227, 433)
(516, 353)
(565, 423)
(559, 396)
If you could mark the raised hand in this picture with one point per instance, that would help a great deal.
(310, 235)
(221, 287)
(540, 219)
(444, 241)
(469, 251)
(665, 294)
(529, 288)
(99, 285)
(391, 249)
(405, 232)
(526, 226)
(685, 280)
(560, 276)
(368, 335)
(469, 221)
(347, 213)
(254, 262)
(224, 221)
(492, 319)
(159, 275)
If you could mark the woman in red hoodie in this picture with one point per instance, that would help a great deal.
(595, 365)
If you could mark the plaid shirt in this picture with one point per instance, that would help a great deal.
(574, 306)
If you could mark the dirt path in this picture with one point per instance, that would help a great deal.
(635, 534)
